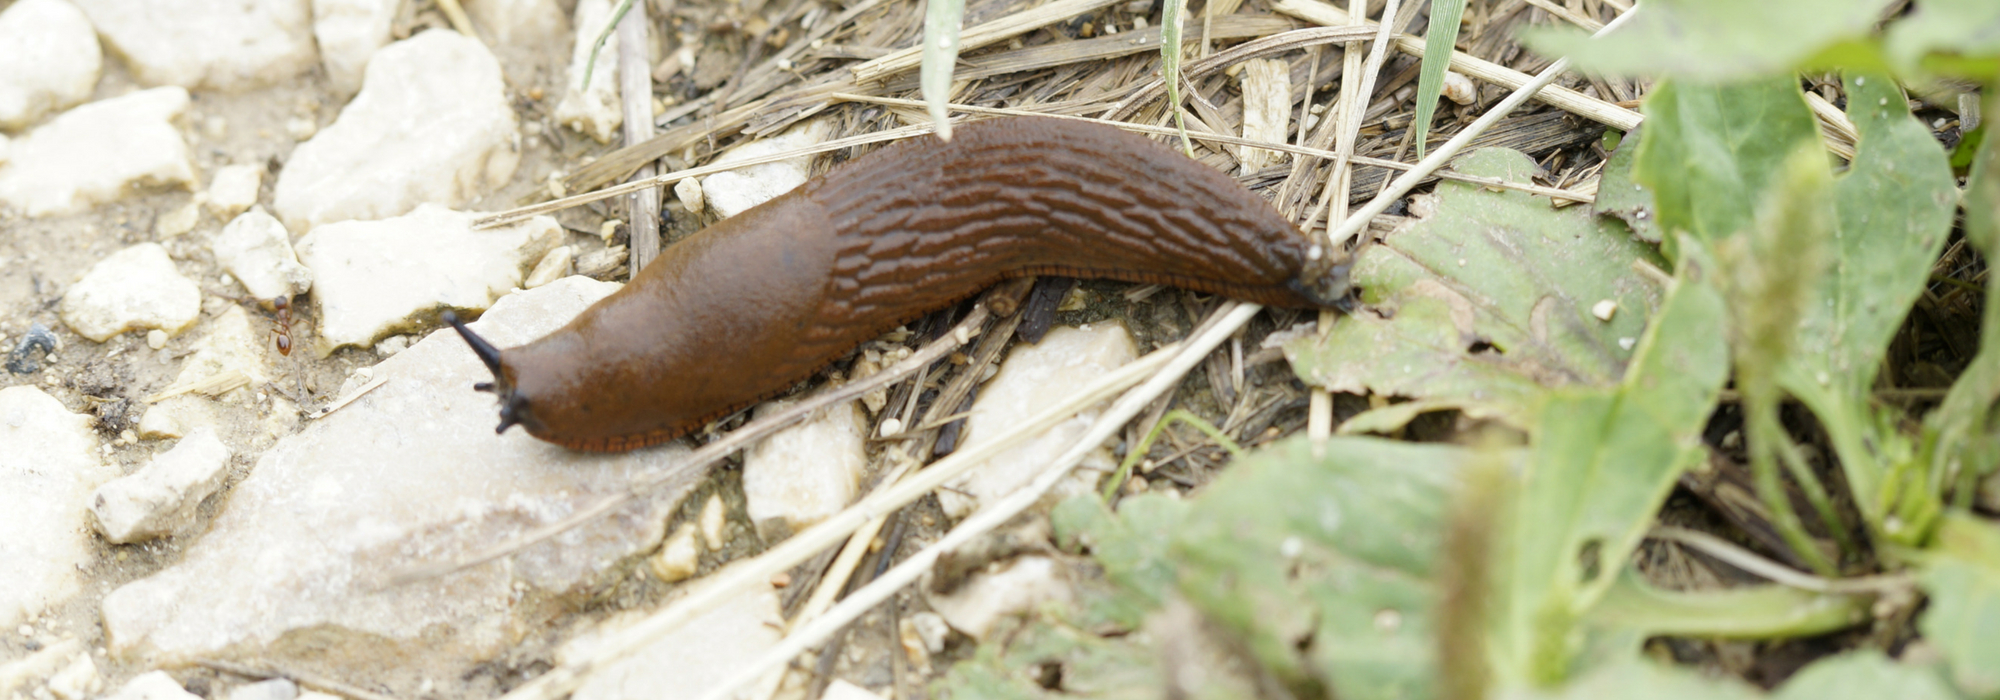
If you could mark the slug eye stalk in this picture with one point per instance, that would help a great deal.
(513, 406)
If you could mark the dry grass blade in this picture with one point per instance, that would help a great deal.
(989, 33)
(1589, 107)
(1278, 43)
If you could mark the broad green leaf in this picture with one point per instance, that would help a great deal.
(1488, 301)
(940, 56)
(1092, 665)
(1338, 548)
(1963, 619)
(1132, 545)
(1714, 40)
(1864, 675)
(1602, 462)
(1709, 152)
(1619, 196)
(1965, 29)
(1440, 40)
(1757, 612)
(1964, 432)
(1891, 214)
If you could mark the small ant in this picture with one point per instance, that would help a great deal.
(281, 330)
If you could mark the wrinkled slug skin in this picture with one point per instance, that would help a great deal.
(752, 305)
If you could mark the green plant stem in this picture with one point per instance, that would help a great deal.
(617, 13)
(1138, 452)
(1764, 430)
(1795, 462)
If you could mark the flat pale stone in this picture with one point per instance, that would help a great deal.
(273, 689)
(731, 192)
(430, 125)
(78, 680)
(232, 346)
(161, 498)
(135, 288)
(808, 472)
(234, 189)
(409, 474)
(48, 465)
(257, 251)
(1025, 583)
(349, 32)
(374, 278)
(174, 417)
(52, 60)
(554, 266)
(592, 109)
(226, 44)
(34, 670)
(691, 660)
(153, 685)
(1030, 378)
(93, 153)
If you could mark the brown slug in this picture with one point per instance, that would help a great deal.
(748, 307)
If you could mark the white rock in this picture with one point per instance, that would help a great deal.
(932, 629)
(689, 192)
(134, 288)
(34, 670)
(372, 278)
(153, 685)
(177, 221)
(808, 472)
(234, 45)
(690, 661)
(843, 690)
(594, 109)
(161, 498)
(1026, 583)
(234, 189)
(679, 557)
(91, 154)
(175, 417)
(731, 192)
(78, 680)
(1031, 377)
(256, 249)
(349, 31)
(274, 689)
(519, 22)
(713, 523)
(431, 124)
(48, 465)
(409, 474)
(51, 62)
(554, 266)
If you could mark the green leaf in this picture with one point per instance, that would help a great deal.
(1131, 545)
(1602, 462)
(1170, 65)
(1755, 612)
(1963, 619)
(1619, 196)
(1714, 40)
(1440, 40)
(940, 56)
(1710, 152)
(1892, 212)
(1338, 548)
(1488, 301)
(1959, 28)
(1864, 675)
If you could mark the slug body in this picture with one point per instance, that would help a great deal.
(750, 306)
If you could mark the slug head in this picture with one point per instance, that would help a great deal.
(1324, 279)
(513, 405)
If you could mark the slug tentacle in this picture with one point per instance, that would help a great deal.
(750, 306)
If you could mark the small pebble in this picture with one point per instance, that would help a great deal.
(156, 339)
(1604, 310)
